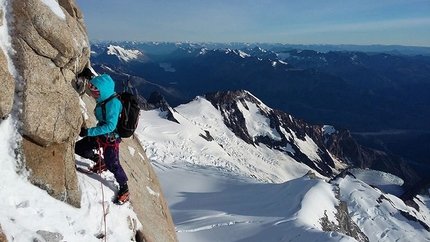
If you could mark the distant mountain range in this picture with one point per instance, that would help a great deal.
(162, 48)
(378, 88)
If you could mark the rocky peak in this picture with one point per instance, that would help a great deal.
(156, 100)
(330, 142)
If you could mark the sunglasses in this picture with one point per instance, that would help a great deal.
(92, 87)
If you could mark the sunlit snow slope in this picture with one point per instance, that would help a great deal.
(220, 188)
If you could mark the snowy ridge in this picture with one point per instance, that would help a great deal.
(379, 215)
(384, 181)
(221, 188)
(259, 125)
(226, 151)
(124, 54)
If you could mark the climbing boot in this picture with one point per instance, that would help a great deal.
(100, 165)
(123, 194)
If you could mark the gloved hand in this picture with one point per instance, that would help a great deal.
(84, 132)
(86, 73)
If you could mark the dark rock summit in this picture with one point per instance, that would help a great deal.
(332, 142)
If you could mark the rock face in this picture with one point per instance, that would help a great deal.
(342, 144)
(2, 236)
(7, 91)
(50, 47)
(148, 199)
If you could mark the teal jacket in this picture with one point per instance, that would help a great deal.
(113, 108)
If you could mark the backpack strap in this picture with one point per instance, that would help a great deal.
(103, 104)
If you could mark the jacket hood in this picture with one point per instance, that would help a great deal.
(106, 86)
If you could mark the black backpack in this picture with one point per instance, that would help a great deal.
(129, 117)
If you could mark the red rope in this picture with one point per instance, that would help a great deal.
(101, 184)
(103, 145)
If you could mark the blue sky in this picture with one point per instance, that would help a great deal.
(402, 22)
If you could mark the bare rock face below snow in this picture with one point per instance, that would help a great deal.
(2, 235)
(53, 170)
(342, 144)
(146, 195)
(51, 46)
(345, 224)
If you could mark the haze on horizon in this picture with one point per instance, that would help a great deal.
(385, 22)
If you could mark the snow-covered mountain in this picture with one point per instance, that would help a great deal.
(230, 172)
(114, 54)
(321, 87)
(123, 54)
(167, 47)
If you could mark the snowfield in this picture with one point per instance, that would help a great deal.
(226, 190)
(219, 189)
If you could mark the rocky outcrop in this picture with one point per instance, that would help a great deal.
(420, 187)
(50, 46)
(147, 197)
(345, 224)
(7, 91)
(342, 145)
